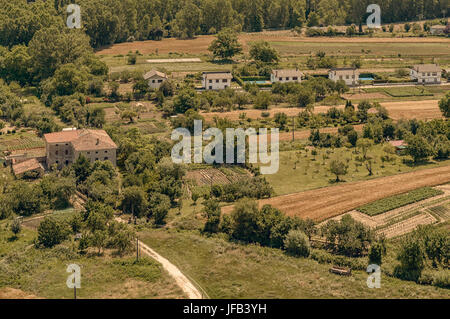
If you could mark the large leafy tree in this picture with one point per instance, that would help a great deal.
(226, 45)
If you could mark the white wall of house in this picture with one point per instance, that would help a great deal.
(215, 83)
(349, 78)
(155, 82)
(426, 77)
(284, 79)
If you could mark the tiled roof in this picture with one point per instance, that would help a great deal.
(218, 75)
(26, 166)
(153, 73)
(344, 70)
(397, 143)
(427, 68)
(285, 73)
(61, 137)
(83, 140)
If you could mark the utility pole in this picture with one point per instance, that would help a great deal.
(137, 249)
(293, 128)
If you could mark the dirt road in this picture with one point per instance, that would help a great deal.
(327, 202)
(185, 284)
(182, 281)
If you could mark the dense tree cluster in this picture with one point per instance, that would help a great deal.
(111, 21)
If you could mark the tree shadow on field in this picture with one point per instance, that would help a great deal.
(411, 163)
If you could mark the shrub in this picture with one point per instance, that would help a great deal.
(296, 243)
(51, 232)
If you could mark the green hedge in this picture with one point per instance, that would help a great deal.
(390, 203)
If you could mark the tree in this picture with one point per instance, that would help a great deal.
(364, 145)
(338, 168)
(281, 119)
(99, 239)
(411, 257)
(188, 20)
(262, 101)
(297, 243)
(16, 227)
(82, 168)
(226, 45)
(444, 105)
(305, 98)
(245, 221)
(262, 51)
(134, 201)
(418, 148)
(212, 214)
(159, 205)
(376, 252)
(51, 232)
(352, 137)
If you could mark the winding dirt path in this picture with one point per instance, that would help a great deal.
(185, 284)
(182, 281)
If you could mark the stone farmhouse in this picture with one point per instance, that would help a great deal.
(63, 148)
(155, 79)
(216, 80)
(426, 73)
(349, 75)
(284, 76)
(437, 29)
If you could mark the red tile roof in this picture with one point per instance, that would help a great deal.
(83, 140)
(26, 166)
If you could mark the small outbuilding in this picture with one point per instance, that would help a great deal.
(155, 79)
(31, 166)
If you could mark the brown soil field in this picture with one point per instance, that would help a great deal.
(200, 44)
(328, 202)
(11, 293)
(422, 110)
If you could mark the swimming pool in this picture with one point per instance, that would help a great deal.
(366, 79)
(256, 82)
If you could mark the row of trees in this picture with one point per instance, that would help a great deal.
(109, 21)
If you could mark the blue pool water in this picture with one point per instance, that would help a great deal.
(257, 82)
(366, 79)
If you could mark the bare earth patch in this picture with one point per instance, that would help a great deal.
(200, 44)
(12, 293)
(328, 202)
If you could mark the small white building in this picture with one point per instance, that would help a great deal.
(155, 78)
(216, 80)
(349, 75)
(284, 76)
(437, 29)
(426, 73)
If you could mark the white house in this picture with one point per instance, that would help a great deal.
(349, 75)
(216, 80)
(437, 29)
(155, 78)
(426, 73)
(284, 76)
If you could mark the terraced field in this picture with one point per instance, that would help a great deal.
(323, 203)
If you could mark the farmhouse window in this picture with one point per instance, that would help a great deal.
(224, 80)
(159, 81)
(210, 81)
(347, 77)
(434, 74)
(217, 81)
(340, 77)
(106, 158)
(295, 78)
(281, 79)
(153, 81)
(67, 152)
(210, 87)
(56, 153)
(287, 78)
(67, 162)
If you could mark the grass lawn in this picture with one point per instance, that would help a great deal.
(42, 272)
(312, 172)
(227, 270)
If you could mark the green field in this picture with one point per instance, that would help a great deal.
(407, 91)
(312, 172)
(393, 202)
(227, 270)
(42, 272)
